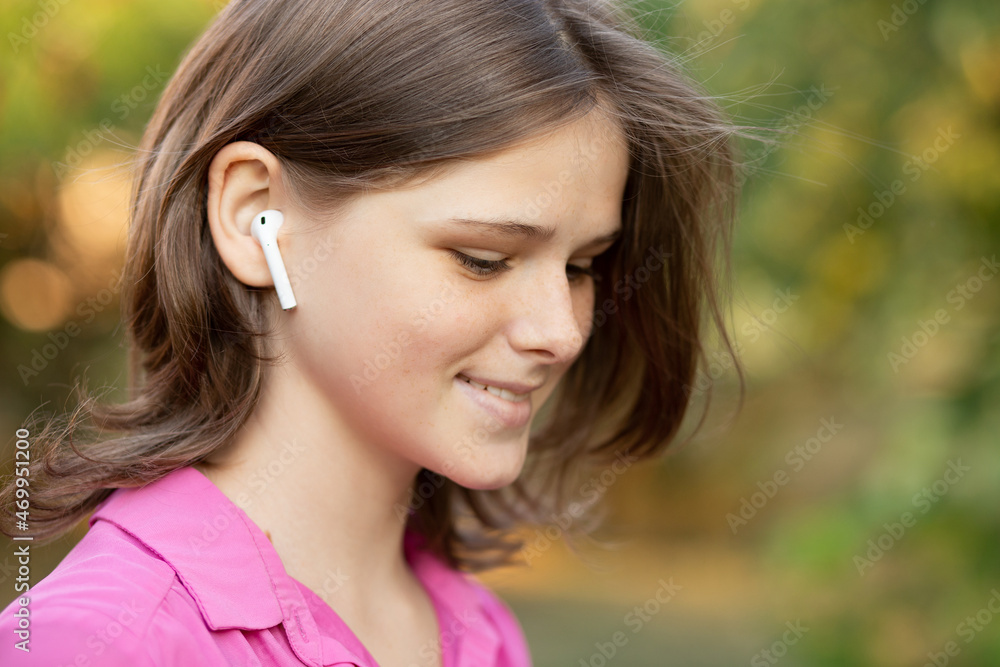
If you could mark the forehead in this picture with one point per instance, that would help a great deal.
(576, 172)
(581, 141)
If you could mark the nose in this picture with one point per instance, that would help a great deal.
(545, 317)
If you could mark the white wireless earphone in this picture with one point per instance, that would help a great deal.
(264, 229)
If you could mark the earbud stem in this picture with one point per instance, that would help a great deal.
(264, 229)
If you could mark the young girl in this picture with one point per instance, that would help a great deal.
(484, 209)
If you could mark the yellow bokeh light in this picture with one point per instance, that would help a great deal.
(35, 295)
(93, 208)
(981, 66)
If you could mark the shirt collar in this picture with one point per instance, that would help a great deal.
(460, 602)
(196, 529)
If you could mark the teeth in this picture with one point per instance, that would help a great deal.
(496, 391)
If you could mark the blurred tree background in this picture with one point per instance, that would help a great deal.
(848, 513)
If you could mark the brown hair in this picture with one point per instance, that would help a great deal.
(352, 94)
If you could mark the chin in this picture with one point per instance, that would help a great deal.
(485, 477)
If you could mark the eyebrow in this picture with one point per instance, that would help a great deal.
(506, 228)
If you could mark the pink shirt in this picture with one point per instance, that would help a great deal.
(175, 574)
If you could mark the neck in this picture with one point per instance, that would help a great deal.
(328, 502)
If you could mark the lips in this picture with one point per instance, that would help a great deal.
(498, 390)
(507, 402)
(513, 387)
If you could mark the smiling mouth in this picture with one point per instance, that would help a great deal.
(505, 394)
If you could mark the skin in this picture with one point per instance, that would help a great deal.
(379, 282)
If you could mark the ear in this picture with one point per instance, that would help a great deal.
(244, 179)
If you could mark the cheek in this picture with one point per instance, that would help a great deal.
(420, 331)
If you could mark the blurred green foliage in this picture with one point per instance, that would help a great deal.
(870, 209)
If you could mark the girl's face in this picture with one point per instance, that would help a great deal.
(411, 300)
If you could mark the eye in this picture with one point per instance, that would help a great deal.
(492, 267)
(480, 266)
(577, 273)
